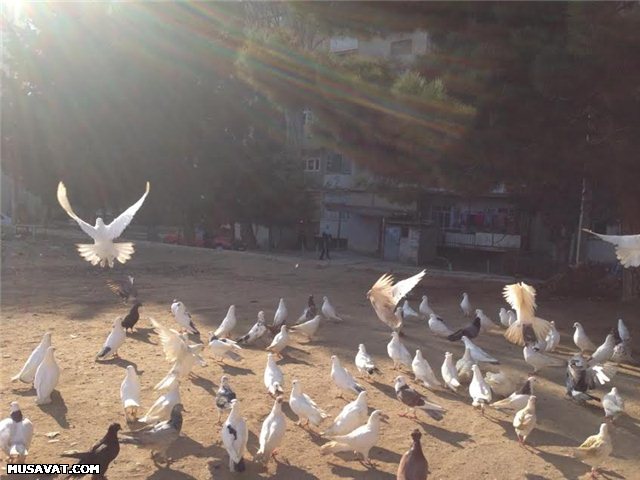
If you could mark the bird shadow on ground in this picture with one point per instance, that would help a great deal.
(388, 390)
(449, 395)
(57, 409)
(533, 476)
(609, 474)
(284, 470)
(28, 392)
(120, 362)
(233, 370)
(384, 455)
(448, 436)
(142, 334)
(188, 447)
(289, 359)
(204, 383)
(569, 466)
(346, 472)
(166, 473)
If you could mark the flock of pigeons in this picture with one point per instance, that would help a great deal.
(353, 429)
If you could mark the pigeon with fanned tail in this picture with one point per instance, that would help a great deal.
(412, 399)
(423, 372)
(364, 362)
(413, 464)
(114, 341)
(342, 378)
(527, 328)
(28, 372)
(102, 453)
(228, 324)
(130, 394)
(235, 434)
(16, 433)
(257, 331)
(384, 296)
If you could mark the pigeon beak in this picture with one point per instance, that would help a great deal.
(384, 417)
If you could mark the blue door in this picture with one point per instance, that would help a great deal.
(392, 243)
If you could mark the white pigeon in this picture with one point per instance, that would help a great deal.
(518, 399)
(479, 391)
(398, 352)
(423, 372)
(486, 323)
(47, 376)
(114, 341)
(581, 340)
(525, 420)
(181, 368)
(613, 404)
(464, 367)
(308, 328)
(539, 360)
(465, 305)
(272, 432)
(328, 311)
(228, 323)
(527, 328)
(553, 338)
(361, 440)
(273, 377)
(438, 327)
(130, 394)
(235, 434)
(28, 372)
(512, 317)
(449, 373)
(183, 317)
(623, 331)
(604, 352)
(280, 317)
(258, 330)
(352, 416)
(385, 296)
(364, 362)
(627, 247)
(424, 307)
(407, 311)
(342, 378)
(595, 449)
(16, 433)
(224, 348)
(280, 341)
(304, 407)
(477, 353)
(501, 384)
(103, 251)
(161, 408)
(504, 317)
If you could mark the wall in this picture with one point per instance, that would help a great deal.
(363, 233)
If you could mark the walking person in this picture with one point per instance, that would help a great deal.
(325, 243)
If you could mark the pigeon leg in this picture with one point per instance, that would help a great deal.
(413, 411)
(404, 414)
(594, 472)
(219, 417)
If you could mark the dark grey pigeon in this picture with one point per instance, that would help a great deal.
(470, 331)
(413, 400)
(224, 395)
(124, 288)
(132, 317)
(102, 453)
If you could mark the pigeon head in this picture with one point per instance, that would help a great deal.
(479, 312)
(14, 407)
(16, 413)
(99, 222)
(224, 380)
(400, 381)
(136, 305)
(433, 316)
(502, 311)
(362, 348)
(114, 428)
(576, 325)
(117, 322)
(261, 316)
(425, 298)
(47, 337)
(395, 335)
(296, 386)
(283, 329)
(416, 435)
(476, 369)
(325, 298)
(532, 401)
(464, 295)
(279, 400)
(604, 429)
(334, 360)
(419, 353)
(130, 369)
(448, 355)
(232, 309)
(362, 397)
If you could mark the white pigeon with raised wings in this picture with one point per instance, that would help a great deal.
(161, 408)
(627, 247)
(103, 251)
(384, 296)
(28, 372)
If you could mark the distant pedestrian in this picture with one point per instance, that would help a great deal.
(302, 236)
(325, 243)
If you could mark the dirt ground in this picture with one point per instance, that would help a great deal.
(47, 286)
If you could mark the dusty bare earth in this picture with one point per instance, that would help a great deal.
(46, 286)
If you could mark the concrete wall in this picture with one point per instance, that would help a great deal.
(363, 233)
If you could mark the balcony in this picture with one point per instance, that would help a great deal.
(498, 242)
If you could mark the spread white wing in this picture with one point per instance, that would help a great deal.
(172, 343)
(64, 203)
(116, 227)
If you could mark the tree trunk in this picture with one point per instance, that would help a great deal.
(294, 122)
(584, 220)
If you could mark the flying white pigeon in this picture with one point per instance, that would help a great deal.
(342, 378)
(235, 434)
(438, 327)
(527, 328)
(328, 311)
(627, 247)
(228, 323)
(465, 305)
(273, 377)
(114, 341)
(103, 251)
(47, 376)
(352, 416)
(479, 391)
(477, 353)
(424, 307)
(280, 341)
(449, 373)
(361, 440)
(486, 323)
(525, 420)
(28, 372)
(364, 362)
(161, 408)
(130, 394)
(16, 433)
(581, 339)
(504, 317)
(183, 317)
(258, 330)
(407, 311)
(539, 360)
(518, 399)
(423, 372)
(464, 367)
(308, 328)
(224, 348)
(304, 407)
(613, 404)
(501, 384)
(272, 432)
(385, 296)
(280, 317)
(398, 352)
(604, 352)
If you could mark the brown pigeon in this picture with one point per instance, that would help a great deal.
(413, 464)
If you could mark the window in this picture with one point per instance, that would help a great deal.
(312, 165)
(336, 163)
(343, 44)
(401, 47)
(441, 216)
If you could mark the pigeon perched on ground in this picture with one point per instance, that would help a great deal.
(132, 317)
(604, 352)
(47, 376)
(273, 377)
(159, 437)
(280, 341)
(364, 362)
(504, 317)
(224, 396)
(258, 330)
(272, 432)
(595, 449)
(501, 384)
(385, 296)
(310, 310)
(130, 394)
(613, 404)
(16, 433)
(352, 415)
(308, 328)
(304, 407)
(161, 408)
(477, 353)
(124, 288)
(361, 440)
(183, 317)
(412, 399)
(527, 328)
(449, 373)
(235, 434)
(486, 323)
(581, 339)
(28, 372)
(407, 311)
(114, 341)
(479, 391)
(424, 308)
(103, 251)
(438, 327)
(280, 317)
(518, 399)
(224, 348)
(328, 311)
(627, 247)
(423, 372)
(465, 305)
(470, 331)
(525, 420)
(413, 464)
(398, 352)
(228, 323)
(102, 453)
(539, 360)
(463, 367)
(342, 378)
